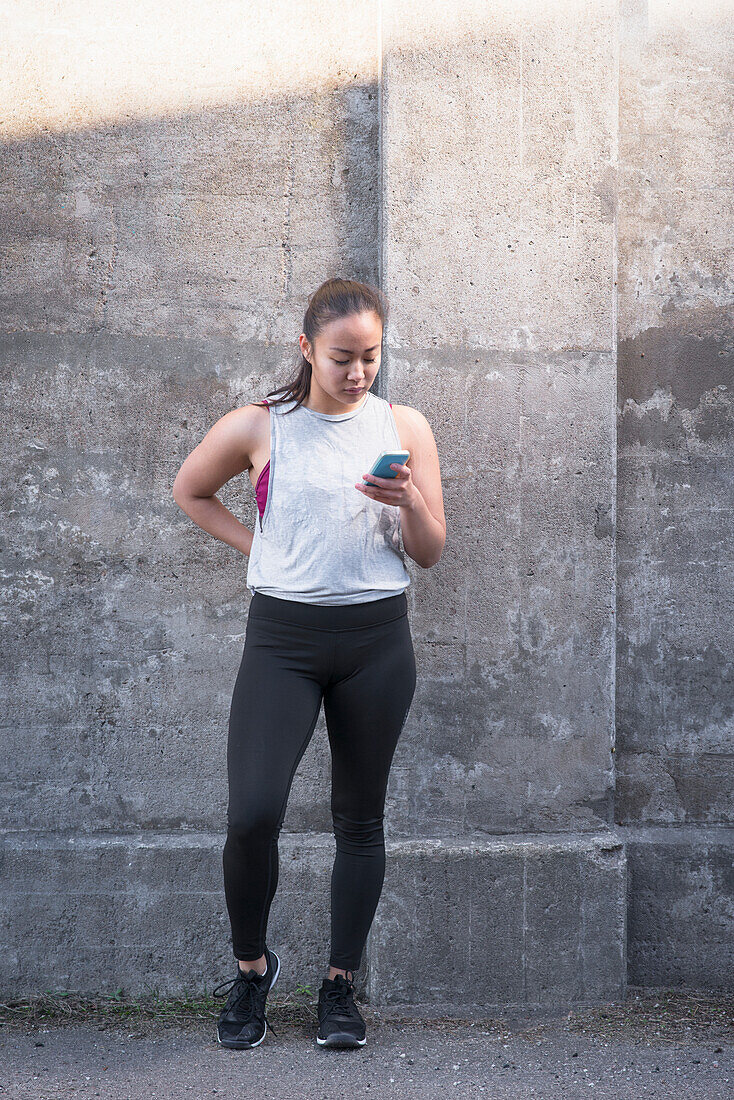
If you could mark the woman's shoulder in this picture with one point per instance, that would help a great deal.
(251, 422)
(413, 428)
(411, 417)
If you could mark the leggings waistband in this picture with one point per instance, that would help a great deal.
(344, 616)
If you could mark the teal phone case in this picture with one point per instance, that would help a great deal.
(381, 467)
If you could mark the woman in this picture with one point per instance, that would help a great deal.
(327, 621)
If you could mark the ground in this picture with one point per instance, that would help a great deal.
(666, 1044)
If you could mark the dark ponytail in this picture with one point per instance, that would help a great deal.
(334, 299)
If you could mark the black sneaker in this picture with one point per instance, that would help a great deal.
(242, 1022)
(340, 1024)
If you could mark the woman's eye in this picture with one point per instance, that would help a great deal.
(344, 363)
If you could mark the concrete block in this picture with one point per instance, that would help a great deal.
(536, 921)
(494, 922)
(147, 911)
(681, 906)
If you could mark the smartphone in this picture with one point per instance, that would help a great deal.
(381, 465)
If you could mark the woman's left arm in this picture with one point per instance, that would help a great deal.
(416, 491)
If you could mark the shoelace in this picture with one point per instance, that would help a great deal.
(248, 991)
(340, 996)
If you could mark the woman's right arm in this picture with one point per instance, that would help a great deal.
(223, 453)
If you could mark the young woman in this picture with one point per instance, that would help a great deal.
(327, 622)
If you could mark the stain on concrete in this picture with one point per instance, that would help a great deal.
(605, 189)
(603, 527)
(688, 366)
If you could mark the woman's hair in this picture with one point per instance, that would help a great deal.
(334, 299)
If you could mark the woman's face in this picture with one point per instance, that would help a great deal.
(346, 356)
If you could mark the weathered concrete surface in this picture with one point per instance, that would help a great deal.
(675, 567)
(146, 912)
(499, 140)
(542, 919)
(675, 638)
(125, 621)
(499, 169)
(192, 173)
(498, 259)
(681, 906)
(488, 225)
(158, 265)
(512, 725)
(159, 271)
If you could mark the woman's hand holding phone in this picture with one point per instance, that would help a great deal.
(396, 489)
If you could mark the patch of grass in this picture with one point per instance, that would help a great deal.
(671, 1015)
(69, 1006)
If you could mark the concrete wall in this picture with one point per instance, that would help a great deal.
(499, 263)
(173, 191)
(175, 183)
(675, 485)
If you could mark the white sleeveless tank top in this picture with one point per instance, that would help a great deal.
(320, 540)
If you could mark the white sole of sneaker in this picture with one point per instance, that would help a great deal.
(341, 1039)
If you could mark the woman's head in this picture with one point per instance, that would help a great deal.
(341, 343)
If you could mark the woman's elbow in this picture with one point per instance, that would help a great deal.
(428, 563)
(179, 491)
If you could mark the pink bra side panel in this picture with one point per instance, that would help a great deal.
(261, 488)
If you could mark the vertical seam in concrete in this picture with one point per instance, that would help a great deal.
(524, 924)
(520, 112)
(380, 161)
(383, 376)
(286, 268)
(465, 640)
(581, 933)
(373, 963)
(615, 448)
(624, 903)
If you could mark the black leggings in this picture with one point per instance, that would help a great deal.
(359, 659)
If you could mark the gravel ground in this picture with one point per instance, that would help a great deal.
(665, 1045)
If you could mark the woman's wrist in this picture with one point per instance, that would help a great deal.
(415, 501)
(216, 519)
(423, 536)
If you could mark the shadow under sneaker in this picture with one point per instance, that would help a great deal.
(340, 1024)
(242, 1022)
